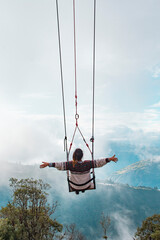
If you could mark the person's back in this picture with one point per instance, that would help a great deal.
(80, 174)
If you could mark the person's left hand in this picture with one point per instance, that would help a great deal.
(114, 159)
(45, 164)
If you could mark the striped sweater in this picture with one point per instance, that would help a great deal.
(80, 172)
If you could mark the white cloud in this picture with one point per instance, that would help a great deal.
(156, 72)
(156, 105)
(29, 139)
(38, 95)
(124, 225)
(155, 158)
(127, 45)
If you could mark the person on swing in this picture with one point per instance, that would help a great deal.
(80, 170)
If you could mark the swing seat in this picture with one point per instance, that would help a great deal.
(91, 187)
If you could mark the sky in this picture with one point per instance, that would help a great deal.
(127, 83)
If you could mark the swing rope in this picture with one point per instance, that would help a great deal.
(75, 74)
(62, 84)
(93, 100)
(76, 96)
(62, 87)
(75, 60)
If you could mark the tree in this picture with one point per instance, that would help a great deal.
(150, 229)
(71, 233)
(105, 222)
(28, 215)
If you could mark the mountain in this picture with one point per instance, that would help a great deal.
(126, 206)
(142, 173)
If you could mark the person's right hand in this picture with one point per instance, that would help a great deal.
(45, 164)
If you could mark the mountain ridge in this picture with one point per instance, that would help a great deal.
(141, 173)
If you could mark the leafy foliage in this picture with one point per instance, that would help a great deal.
(150, 229)
(28, 216)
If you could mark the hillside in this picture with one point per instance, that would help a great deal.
(126, 206)
(142, 173)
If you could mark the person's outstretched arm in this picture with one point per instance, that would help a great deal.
(63, 166)
(101, 162)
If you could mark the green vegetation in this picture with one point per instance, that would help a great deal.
(150, 229)
(28, 216)
(126, 205)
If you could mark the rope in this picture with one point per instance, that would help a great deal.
(75, 65)
(94, 43)
(94, 36)
(62, 85)
(82, 138)
(75, 60)
(76, 114)
(60, 58)
(72, 140)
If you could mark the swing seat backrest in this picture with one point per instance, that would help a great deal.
(91, 187)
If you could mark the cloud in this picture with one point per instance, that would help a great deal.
(156, 105)
(30, 139)
(122, 55)
(127, 67)
(124, 225)
(38, 95)
(155, 158)
(156, 71)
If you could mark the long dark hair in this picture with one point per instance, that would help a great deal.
(77, 156)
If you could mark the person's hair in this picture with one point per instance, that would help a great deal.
(77, 155)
